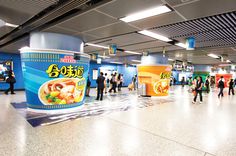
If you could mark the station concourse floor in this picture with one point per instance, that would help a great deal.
(172, 127)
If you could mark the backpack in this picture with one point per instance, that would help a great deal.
(221, 84)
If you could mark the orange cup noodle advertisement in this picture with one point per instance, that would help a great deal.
(156, 78)
(227, 78)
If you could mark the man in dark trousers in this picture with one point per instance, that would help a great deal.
(221, 85)
(100, 86)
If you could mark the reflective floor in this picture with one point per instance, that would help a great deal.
(170, 126)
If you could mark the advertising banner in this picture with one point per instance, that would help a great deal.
(112, 49)
(53, 78)
(5, 66)
(156, 78)
(227, 78)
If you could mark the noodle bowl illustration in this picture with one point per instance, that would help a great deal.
(161, 87)
(62, 91)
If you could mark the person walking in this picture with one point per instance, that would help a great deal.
(134, 79)
(113, 83)
(183, 81)
(221, 86)
(106, 82)
(231, 86)
(100, 86)
(88, 87)
(11, 80)
(119, 82)
(198, 89)
(207, 84)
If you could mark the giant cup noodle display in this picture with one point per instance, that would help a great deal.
(53, 78)
(227, 78)
(156, 78)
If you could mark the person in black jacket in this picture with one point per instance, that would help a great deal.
(88, 87)
(221, 85)
(198, 89)
(11, 80)
(231, 86)
(100, 86)
(207, 84)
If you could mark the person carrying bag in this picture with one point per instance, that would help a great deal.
(11, 80)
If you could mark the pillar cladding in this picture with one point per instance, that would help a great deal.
(55, 72)
(46, 40)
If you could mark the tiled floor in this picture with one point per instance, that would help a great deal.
(172, 126)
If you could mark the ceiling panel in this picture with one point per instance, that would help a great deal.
(14, 47)
(168, 18)
(146, 45)
(57, 29)
(123, 40)
(180, 2)
(87, 21)
(13, 16)
(205, 8)
(112, 30)
(121, 8)
(31, 7)
(4, 30)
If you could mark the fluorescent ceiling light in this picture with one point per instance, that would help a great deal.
(139, 61)
(116, 62)
(228, 61)
(181, 45)
(233, 48)
(11, 25)
(104, 57)
(169, 59)
(154, 35)
(146, 13)
(213, 56)
(132, 52)
(97, 45)
(3, 23)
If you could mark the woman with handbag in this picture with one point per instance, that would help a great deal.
(11, 80)
(198, 89)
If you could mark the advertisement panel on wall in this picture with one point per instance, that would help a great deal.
(5, 66)
(226, 77)
(156, 78)
(53, 78)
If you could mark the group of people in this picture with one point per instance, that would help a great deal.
(105, 83)
(198, 84)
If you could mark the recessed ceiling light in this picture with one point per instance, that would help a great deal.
(228, 61)
(181, 45)
(139, 61)
(213, 56)
(146, 13)
(132, 52)
(154, 35)
(97, 45)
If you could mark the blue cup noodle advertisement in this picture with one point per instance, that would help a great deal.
(54, 81)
